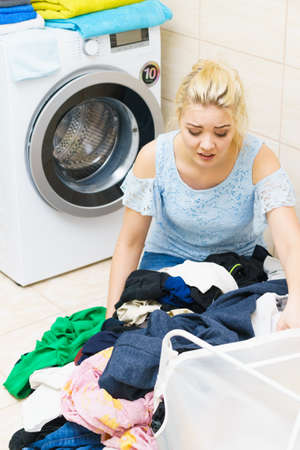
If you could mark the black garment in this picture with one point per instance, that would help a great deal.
(260, 253)
(244, 269)
(100, 341)
(111, 329)
(158, 417)
(143, 285)
(153, 285)
(116, 326)
(113, 324)
(22, 438)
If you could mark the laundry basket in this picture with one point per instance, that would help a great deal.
(240, 396)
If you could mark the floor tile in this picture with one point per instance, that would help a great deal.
(90, 304)
(10, 422)
(22, 340)
(5, 398)
(78, 288)
(20, 306)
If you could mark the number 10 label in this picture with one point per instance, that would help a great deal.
(150, 73)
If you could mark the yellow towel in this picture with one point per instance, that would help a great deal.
(65, 9)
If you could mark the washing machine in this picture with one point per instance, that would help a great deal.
(67, 142)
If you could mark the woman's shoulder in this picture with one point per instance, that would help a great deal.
(154, 156)
(144, 166)
(265, 164)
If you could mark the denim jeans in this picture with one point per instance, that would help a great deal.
(156, 261)
(69, 436)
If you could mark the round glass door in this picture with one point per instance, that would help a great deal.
(92, 147)
(85, 139)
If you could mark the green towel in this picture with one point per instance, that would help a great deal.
(58, 346)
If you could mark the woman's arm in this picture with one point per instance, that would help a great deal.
(285, 230)
(127, 254)
(133, 233)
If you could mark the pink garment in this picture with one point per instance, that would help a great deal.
(122, 424)
(138, 438)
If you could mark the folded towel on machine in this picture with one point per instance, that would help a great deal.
(38, 22)
(14, 14)
(32, 54)
(149, 13)
(64, 9)
(7, 3)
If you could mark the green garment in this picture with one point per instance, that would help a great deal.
(57, 347)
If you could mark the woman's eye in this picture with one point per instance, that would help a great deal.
(221, 135)
(194, 133)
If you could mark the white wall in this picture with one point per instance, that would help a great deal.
(261, 39)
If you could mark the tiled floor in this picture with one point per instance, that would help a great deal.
(27, 312)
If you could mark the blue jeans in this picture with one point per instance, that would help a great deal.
(156, 261)
(69, 436)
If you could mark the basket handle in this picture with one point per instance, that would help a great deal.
(169, 353)
(223, 355)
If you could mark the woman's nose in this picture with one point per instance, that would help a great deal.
(207, 143)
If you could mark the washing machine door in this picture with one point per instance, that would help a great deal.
(85, 137)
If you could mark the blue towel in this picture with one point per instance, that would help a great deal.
(147, 14)
(15, 14)
(32, 54)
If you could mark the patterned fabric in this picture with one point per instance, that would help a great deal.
(191, 223)
(138, 194)
(122, 424)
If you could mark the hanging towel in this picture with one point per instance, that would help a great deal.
(64, 9)
(142, 15)
(6, 3)
(15, 14)
(32, 54)
(38, 22)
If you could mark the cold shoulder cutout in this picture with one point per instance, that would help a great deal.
(274, 191)
(138, 194)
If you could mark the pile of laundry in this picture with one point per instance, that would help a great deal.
(17, 15)
(89, 382)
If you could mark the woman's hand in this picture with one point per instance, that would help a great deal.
(285, 229)
(290, 317)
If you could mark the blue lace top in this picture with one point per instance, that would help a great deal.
(193, 223)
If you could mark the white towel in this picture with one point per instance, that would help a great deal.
(38, 22)
(44, 404)
(32, 53)
(203, 275)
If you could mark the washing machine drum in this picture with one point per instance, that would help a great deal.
(85, 137)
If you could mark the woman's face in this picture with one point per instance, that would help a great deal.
(207, 133)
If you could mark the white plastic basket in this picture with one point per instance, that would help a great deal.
(241, 396)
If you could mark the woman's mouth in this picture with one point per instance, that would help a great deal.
(206, 157)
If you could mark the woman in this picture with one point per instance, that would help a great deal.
(210, 188)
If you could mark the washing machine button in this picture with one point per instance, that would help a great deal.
(90, 47)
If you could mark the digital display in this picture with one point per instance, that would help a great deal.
(129, 37)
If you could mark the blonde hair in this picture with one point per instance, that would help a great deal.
(211, 83)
